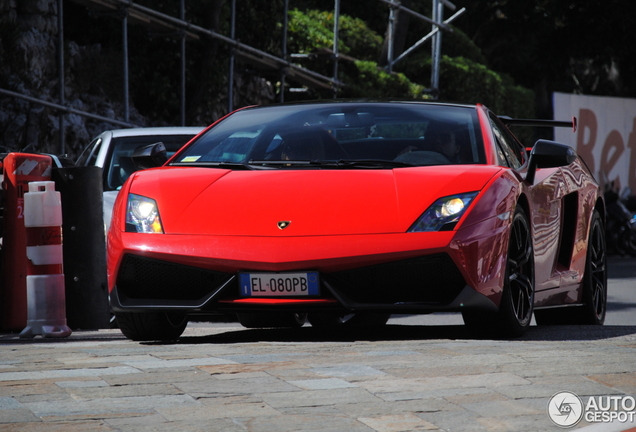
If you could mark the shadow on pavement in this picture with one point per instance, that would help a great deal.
(76, 336)
(353, 334)
(403, 332)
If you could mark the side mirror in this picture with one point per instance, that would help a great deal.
(548, 154)
(150, 156)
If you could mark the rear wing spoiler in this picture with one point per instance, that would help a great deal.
(508, 121)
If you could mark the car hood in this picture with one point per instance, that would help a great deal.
(301, 202)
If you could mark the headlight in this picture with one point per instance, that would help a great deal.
(142, 215)
(444, 213)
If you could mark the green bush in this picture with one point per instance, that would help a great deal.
(314, 29)
(458, 44)
(463, 78)
(465, 81)
(519, 101)
(367, 80)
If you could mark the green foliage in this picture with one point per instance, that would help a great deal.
(466, 81)
(454, 44)
(458, 44)
(568, 46)
(370, 81)
(154, 61)
(363, 43)
(464, 76)
(518, 101)
(314, 29)
(307, 33)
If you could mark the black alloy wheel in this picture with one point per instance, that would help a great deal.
(517, 299)
(520, 272)
(595, 279)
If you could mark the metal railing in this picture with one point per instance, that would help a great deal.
(124, 8)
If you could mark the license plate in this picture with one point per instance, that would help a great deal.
(279, 284)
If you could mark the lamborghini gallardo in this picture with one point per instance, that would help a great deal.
(342, 213)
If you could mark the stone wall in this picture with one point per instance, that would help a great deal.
(29, 66)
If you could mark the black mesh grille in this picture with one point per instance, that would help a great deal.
(432, 279)
(143, 278)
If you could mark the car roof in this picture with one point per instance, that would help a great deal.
(335, 102)
(167, 130)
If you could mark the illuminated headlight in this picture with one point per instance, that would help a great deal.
(444, 213)
(142, 215)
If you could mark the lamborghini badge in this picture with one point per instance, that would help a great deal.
(283, 224)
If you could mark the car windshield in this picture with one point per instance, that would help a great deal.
(345, 135)
(120, 165)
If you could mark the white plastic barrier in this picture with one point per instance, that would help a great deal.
(46, 299)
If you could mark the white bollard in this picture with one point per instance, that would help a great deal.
(46, 299)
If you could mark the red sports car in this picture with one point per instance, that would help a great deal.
(342, 213)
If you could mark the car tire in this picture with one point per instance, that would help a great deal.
(161, 326)
(272, 320)
(594, 287)
(517, 298)
(358, 319)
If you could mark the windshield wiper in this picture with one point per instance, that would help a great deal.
(214, 164)
(342, 163)
(370, 163)
(286, 162)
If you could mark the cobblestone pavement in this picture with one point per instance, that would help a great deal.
(225, 378)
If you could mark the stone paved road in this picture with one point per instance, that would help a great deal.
(404, 378)
(419, 373)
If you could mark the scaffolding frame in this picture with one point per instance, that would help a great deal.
(132, 13)
(438, 23)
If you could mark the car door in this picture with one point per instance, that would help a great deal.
(546, 208)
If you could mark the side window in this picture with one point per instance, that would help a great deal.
(501, 155)
(89, 155)
(507, 145)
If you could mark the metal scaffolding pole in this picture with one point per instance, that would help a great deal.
(336, 24)
(438, 17)
(125, 9)
(390, 37)
(428, 36)
(65, 109)
(438, 24)
(395, 5)
(283, 73)
(60, 65)
(246, 49)
(183, 65)
(230, 90)
(124, 28)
